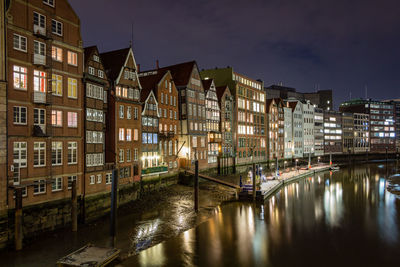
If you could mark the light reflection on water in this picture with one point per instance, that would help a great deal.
(342, 218)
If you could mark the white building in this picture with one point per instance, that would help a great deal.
(297, 110)
(288, 131)
(308, 128)
(318, 132)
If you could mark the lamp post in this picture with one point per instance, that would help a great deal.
(296, 163)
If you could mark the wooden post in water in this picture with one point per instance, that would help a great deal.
(254, 182)
(196, 185)
(74, 207)
(18, 219)
(113, 222)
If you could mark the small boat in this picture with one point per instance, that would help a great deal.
(334, 168)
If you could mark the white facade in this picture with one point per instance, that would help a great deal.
(288, 131)
(297, 110)
(308, 128)
(318, 132)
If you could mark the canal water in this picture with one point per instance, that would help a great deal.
(345, 218)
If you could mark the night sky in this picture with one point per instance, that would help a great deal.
(341, 45)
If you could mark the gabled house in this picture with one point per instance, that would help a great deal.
(298, 141)
(275, 129)
(192, 112)
(96, 85)
(213, 119)
(123, 142)
(166, 94)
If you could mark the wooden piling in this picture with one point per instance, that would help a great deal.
(18, 219)
(74, 207)
(196, 186)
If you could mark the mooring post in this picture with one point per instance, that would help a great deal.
(196, 185)
(254, 182)
(74, 207)
(18, 219)
(113, 222)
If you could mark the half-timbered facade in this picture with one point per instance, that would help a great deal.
(97, 173)
(160, 81)
(213, 119)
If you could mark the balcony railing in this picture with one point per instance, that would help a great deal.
(39, 97)
(39, 30)
(154, 170)
(39, 59)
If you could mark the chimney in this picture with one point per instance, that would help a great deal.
(157, 64)
(138, 68)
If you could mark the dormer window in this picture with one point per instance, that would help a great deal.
(96, 58)
(49, 2)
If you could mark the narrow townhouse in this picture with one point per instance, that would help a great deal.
(163, 88)
(123, 125)
(192, 113)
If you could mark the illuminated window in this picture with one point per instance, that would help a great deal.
(72, 88)
(72, 58)
(20, 78)
(39, 81)
(57, 82)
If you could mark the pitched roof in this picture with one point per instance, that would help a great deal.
(207, 84)
(89, 51)
(180, 72)
(113, 62)
(293, 105)
(221, 91)
(149, 83)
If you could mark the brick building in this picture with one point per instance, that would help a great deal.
(249, 111)
(97, 174)
(3, 115)
(275, 129)
(226, 104)
(164, 89)
(123, 134)
(45, 100)
(192, 112)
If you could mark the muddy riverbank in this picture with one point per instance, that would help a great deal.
(156, 217)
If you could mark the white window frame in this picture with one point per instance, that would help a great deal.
(57, 83)
(56, 148)
(72, 153)
(70, 179)
(55, 116)
(56, 184)
(72, 58)
(99, 178)
(92, 179)
(49, 2)
(57, 53)
(40, 185)
(72, 88)
(20, 43)
(20, 77)
(108, 178)
(21, 149)
(39, 48)
(72, 119)
(39, 148)
(20, 119)
(57, 31)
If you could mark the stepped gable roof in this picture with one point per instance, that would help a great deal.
(89, 51)
(180, 72)
(113, 62)
(207, 84)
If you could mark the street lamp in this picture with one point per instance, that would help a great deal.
(319, 159)
(296, 163)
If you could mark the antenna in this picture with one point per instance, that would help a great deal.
(131, 42)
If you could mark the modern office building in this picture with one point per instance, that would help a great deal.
(348, 132)
(333, 143)
(382, 122)
(361, 133)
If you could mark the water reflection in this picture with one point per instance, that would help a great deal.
(332, 219)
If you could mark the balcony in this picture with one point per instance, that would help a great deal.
(39, 59)
(39, 131)
(37, 30)
(39, 97)
(155, 170)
